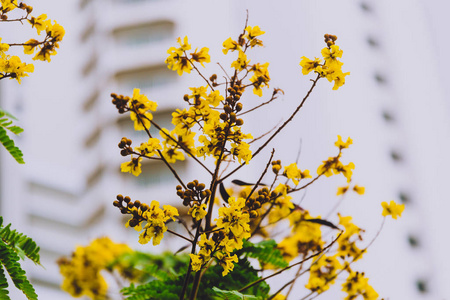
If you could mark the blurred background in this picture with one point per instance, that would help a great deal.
(394, 105)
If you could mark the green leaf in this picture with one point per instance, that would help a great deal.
(265, 252)
(10, 146)
(6, 122)
(10, 261)
(18, 242)
(233, 295)
(4, 293)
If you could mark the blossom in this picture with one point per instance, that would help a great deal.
(230, 44)
(133, 166)
(392, 209)
(149, 148)
(309, 65)
(202, 56)
(226, 262)
(241, 63)
(40, 23)
(198, 212)
(294, 173)
(359, 189)
(341, 145)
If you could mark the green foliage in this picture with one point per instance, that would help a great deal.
(164, 277)
(144, 267)
(13, 247)
(233, 295)
(242, 275)
(265, 252)
(6, 124)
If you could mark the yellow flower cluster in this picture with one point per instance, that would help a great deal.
(11, 66)
(333, 165)
(392, 209)
(357, 285)
(234, 226)
(179, 60)
(82, 272)
(155, 218)
(331, 67)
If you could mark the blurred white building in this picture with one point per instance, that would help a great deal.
(393, 105)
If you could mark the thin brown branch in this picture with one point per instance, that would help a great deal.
(261, 177)
(262, 104)
(182, 147)
(291, 266)
(179, 235)
(281, 127)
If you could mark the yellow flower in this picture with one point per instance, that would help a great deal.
(184, 46)
(331, 54)
(341, 145)
(133, 166)
(260, 78)
(198, 212)
(230, 44)
(392, 209)
(214, 98)
(359, 189)
(3, 46)
(309, 65)
(40, 23)
(150, 148)
(226, 262)
(253, 32)
(241, 63)
(294, 173)
(8, 5)
(201, 56)
(29, 46)
(342, 190)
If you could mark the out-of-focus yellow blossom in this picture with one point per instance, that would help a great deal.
(8, 5)
(342, 190)
(3, 47)
(392, 209)
(359, 189)
(294, 173)
(341, 145)
(12, 66)
(82, 276)
(347, 242)
(358, 285)
(323, 273)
